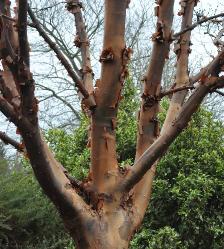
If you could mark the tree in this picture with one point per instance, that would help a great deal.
(54, 19)
(104, 210)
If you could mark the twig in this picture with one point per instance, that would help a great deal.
(204, 19)
(61, 58)
(49, 7)
(219, 92)
(218, 41)
(174, 90)
(54, 94)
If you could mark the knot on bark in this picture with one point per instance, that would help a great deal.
(149, 100)
(183, 4)
(78, 42)
(107, 55)
(86, 70)
(159, 35)
(126, 56)
(74, 6)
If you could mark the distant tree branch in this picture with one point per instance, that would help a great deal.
(203, 20)
(62, 45)
(61, 57)
(218, 41)
(50, 6)
(54, 94)
(219, 92)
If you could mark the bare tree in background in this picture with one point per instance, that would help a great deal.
(106, 209)
(54, 20)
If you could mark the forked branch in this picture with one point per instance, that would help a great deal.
(148, 125)
(62, 59)
(159, 147)
(209, 81)
(47, 169)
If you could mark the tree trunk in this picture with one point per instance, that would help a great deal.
(105, 210)
(113, 230)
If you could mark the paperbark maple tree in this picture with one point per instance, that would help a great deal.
(106, 209)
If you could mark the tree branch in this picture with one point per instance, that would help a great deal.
(174, 90)
(114, 59)
(62, 59)
(47, 169)
(218, 41)
(23, 75)
(154, 152)
(21, 148)
(8, 110)
(148, 125)
(182, 50)
(203, 20)
(159, 147)
(22, 32)
(54, 94)
(62, 46)
(8, 140)
(82, 42)
(219, 92)
(51, 175)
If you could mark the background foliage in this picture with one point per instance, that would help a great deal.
(186, 210)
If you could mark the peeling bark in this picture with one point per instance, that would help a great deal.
(103, 146)
(106, 209)
(148, 125)
(182, 50)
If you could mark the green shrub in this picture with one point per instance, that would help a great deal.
(188, 192)
(186, 208)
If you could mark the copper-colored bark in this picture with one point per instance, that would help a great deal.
(104, 211)
(182, 49)
(148, 124)
(108, 91)
(82, 42)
